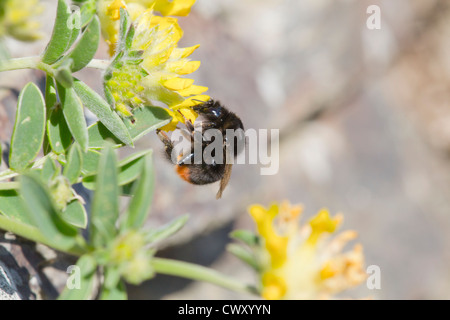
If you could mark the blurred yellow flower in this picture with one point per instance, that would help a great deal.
(109, 13)
(18, 19)
(153, 73)
(301, 262)
(130, 255)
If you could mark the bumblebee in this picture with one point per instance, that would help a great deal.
(211, 115)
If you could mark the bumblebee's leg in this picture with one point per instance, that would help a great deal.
(189, 125)
(186, 134)
(168, 145)
(187, 122)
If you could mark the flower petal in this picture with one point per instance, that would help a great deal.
(178, 83)
(174, 7)
(193, 90)
(321, 223)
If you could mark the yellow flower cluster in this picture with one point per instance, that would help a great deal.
(132, 258)
(300, 262)
(18, 19)
(109, 13)
(157, 76)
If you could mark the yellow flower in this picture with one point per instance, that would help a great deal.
(18, 19)
(109, 13)
(133, 259)
(174, 7)
(62, 192)
(151, 70)
(126, 247)
(299, 262)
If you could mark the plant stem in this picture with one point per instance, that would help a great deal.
(36, 63)
(160, 265)
(98, 64)
(196, 272)
(31, 233)
(26, 63)
(7, 174)
(19, 63)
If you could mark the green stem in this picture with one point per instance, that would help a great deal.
(26, 63)
(7, 174)
(160, 265)
(98, 64)
(36, 63)
(196, 272)
(31, 233)
(19, 63)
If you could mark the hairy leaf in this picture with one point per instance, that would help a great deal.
(29, 128)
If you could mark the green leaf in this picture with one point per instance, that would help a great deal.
(166, 230)
(109, 97)
(103, 111)
(90, 162)
(83, 277)
(12, 206)
(74, 115)
(119, 292)
(87, 12)
(86, 47)
(49, 170)
(112, 277)
(50, 93)
(129, 38)
(98, 134)
(50, 101)
(58, 132)
(72, 170)
(74, 24)
(105, 205)
(75, 32)
(142, 197)
(43, 213)
(11, 185)
(123, 29)
(63, 73)
(130, 167)
(146, 119)
(75, 214)
(127, 189)
(244, 255)
(247, 237)
(29, 128)
(61, 35)
(129, 170)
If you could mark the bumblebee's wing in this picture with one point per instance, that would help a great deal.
(225, 179)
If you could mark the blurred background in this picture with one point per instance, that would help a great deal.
(364, 120)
